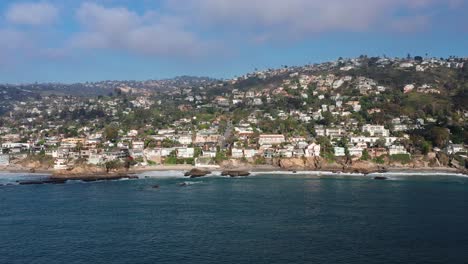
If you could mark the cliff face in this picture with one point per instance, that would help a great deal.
(318, 163)
(34, 164)
(315, 163)
(235, 164)
(362, 167)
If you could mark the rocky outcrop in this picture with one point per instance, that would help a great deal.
(364, 167)
(89, 173)
(196, 173)
(80, 170)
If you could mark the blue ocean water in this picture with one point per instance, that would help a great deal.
(260, 219)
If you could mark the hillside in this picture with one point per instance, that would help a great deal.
(379, 109)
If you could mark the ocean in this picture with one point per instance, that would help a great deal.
(266, 218)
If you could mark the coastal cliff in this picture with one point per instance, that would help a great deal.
(317, 163)
(360, 166)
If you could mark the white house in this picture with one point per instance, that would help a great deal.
(376, 130)
(339, 151)
(209, 153)
(355, 151)
(250, 153)
(454, 148)
(372, 140)
(266, 139)
(313, 150)
(139, 145)
(60, 164)
(185, 139)
(396, 150)
(95, 159)
(237, 153)
(185, 153)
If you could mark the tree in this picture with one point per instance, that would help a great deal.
(440, 136)
(380, 143)
(111, 133)
(220, 156)
(326, 148)
(197, 152)
(365, 155)
(426, 147)
(150, 143)
(113, 165)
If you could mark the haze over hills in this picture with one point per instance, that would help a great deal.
(108, 86)
(446, 74)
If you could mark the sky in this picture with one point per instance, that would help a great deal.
(76, 41)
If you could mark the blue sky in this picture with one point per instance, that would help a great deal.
(74, 40)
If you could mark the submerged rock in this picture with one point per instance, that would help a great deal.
(235, 173)
(30, 182)
(380, 178)
(91, 177)
(86, 178)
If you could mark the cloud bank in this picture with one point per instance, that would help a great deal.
(118, 28)
(187, 28)
(33, 14)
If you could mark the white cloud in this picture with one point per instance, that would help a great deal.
(293, 18)
(34, 14)
(118, 28)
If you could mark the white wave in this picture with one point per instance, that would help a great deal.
(314, 173)
(172, 174)
(162, 174)
(187, 183)
(403, 174)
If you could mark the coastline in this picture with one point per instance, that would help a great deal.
(252, 169)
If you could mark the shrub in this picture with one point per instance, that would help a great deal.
(114, 165)
(401, 158)
(379, 160)
(171, 160)
(260, 161)
(330, 157)
(365, 155)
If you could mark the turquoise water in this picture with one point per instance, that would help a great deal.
(260, 219)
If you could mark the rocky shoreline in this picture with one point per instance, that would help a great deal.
(92, 174)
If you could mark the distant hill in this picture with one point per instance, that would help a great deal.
(91, 89)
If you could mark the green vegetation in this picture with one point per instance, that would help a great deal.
(401, 158)
(260, 161)
(365, 155)
(379, 160)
